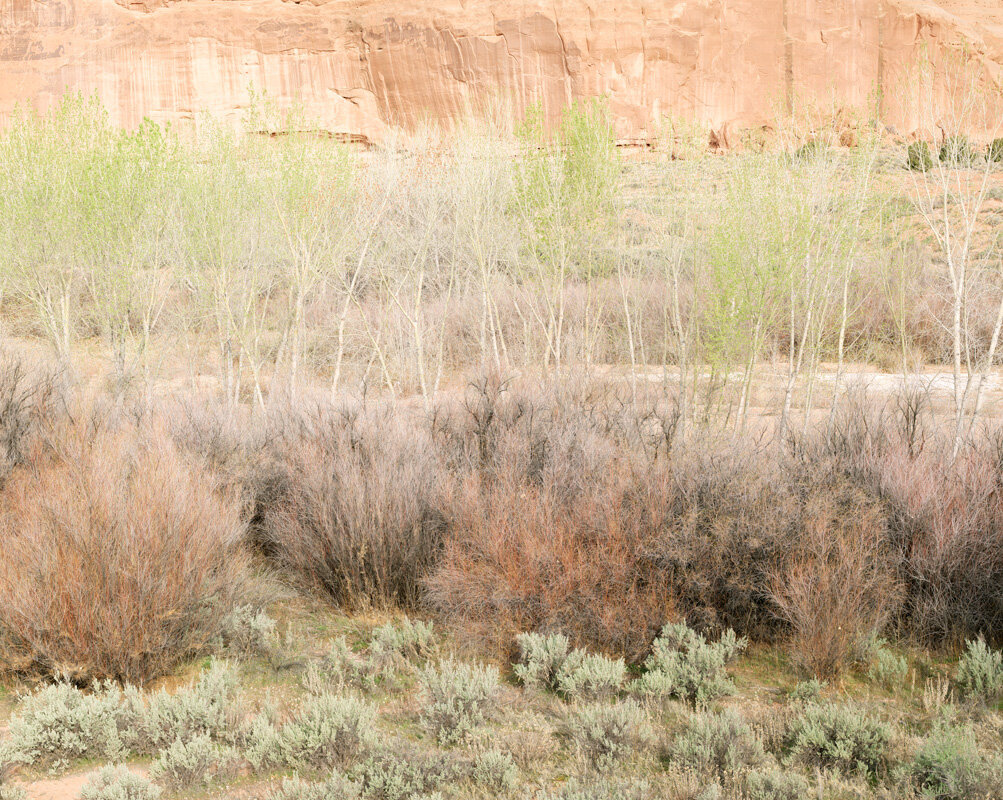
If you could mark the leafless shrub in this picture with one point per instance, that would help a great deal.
(120, 559)
(359, 508)
(839, 585)
(30, 399)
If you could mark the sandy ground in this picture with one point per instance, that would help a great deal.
(65, 787)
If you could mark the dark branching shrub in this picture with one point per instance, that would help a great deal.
(120, 559)
(918, 157)
(995, 150)
(957, 150)
(359, 511)
(570, 509)
(839, 737)
(839, 584)
(30, 402)
(522, 558)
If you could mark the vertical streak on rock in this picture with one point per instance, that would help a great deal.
(881, 61)
(788, 59)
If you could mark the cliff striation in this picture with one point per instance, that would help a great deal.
(360, 66)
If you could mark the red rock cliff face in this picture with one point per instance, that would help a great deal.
(359, 66)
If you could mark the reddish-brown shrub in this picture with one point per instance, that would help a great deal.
(519, 558)
(119, 558)
(839, 583)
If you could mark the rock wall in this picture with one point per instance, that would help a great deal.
(359, 66)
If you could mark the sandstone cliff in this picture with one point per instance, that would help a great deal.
(361, 65)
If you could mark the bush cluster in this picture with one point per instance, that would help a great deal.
(547, 662)
(685, 665)
(121, 558)
(839, 737)
(606, 733)
(567, 509)
(458, 695)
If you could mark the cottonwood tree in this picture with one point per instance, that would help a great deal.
(950, 195)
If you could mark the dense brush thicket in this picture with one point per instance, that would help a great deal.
(574, 507)
(570, 507)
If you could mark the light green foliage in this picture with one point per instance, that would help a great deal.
(838, 737)
(775, 784)
(586, 676)
(886, 668)
(336, 787)
(457, 696)
(809, 691)
(602, 788)
(88, 208)
(8, 765)
(249, 631)
(186, 763)
(950, 766)
(606, 734)
(685, 665)
(329, 731)
(540, 659)
(980, 672)
(397, 643)
(918, 157)
(206, 706)
(119, 783)
(568, 181)
(339, 668)
(404, 776)
(495, 770)
(717, 745)
(59, 723)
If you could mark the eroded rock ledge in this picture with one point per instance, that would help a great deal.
(361, 65)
